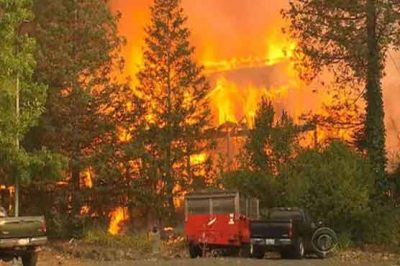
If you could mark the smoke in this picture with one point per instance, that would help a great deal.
(391, 93)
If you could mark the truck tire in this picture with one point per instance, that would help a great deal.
(298, 249)
(30, 258)
(194, 251)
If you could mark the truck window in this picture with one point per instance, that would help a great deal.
(198, 206)
(223, 205)
(285, 215)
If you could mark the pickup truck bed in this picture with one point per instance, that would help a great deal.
(272, 232)
(20, 237)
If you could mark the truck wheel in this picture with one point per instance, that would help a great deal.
(298, 252)
(194, 251)
(30, 258)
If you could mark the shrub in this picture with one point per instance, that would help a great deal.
(255, 184)
(100, 236)
(333, 184)
(381, 226)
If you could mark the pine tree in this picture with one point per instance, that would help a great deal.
(271, 143)
(175, 94)
(260, 136)
(78, 45)
(350, 39)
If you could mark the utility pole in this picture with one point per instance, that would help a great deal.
(20, 30)
(17, 145)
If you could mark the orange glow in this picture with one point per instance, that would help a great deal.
(117, 218)
(86, 178)
(198, 158)
(84, 210)
(123, 134)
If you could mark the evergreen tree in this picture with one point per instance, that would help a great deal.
(78, 47)
(350, 39)
(175, 95)
(271, 143)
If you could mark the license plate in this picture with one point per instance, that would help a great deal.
(269, 241)
(23, 241)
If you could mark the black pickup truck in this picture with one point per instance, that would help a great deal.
(292, 233)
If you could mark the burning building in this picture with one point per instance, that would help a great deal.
(246, 56)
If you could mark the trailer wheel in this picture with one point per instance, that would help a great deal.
(258, 252)
(298, 252)
(194, 251)
(245, 251)
(30, 258)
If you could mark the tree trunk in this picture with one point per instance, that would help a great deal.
(75, 173)
(374, 123)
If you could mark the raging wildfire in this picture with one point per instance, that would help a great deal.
(111, 111)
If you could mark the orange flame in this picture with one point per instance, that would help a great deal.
(117, 218)
(198, 158)
(87, 178)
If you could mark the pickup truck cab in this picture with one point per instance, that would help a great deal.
(292, 233)
(21, 237)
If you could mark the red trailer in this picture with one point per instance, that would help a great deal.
(219, 222)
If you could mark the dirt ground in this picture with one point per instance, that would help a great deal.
(49, 257)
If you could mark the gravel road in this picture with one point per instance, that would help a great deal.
(216, 262)
(48, 258)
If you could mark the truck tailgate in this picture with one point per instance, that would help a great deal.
(270, 229)
(18, 227)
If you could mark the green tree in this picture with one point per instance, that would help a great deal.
(174, 91)
(334, 184)
(271, 143)
(351, 40)
(21, 99)
(269, 150)
(78, 45)
(260, 185)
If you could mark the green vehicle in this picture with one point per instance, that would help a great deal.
(21, 237)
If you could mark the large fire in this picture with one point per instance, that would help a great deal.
(250, 67)
(246, 57)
